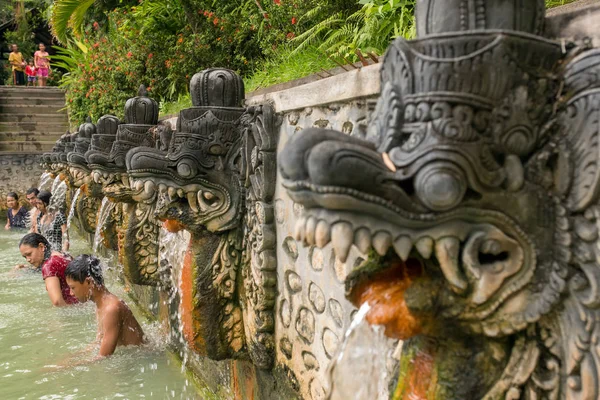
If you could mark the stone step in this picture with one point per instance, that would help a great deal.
(52, 118)
(26, 146)
(31, 90)
(33, 101)
(32, 126)
(20, 108)
(30, 136)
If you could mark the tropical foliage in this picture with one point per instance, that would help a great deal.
(111, 46)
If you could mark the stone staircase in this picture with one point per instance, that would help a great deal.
(31, 119)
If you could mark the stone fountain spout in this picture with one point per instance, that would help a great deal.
(217, 181)
(475, 197)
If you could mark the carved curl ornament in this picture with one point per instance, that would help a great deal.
(476, 198)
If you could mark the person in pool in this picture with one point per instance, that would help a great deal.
(51, 222)
(15, 216)
(117, 325)
(38, 252)
(31, 196)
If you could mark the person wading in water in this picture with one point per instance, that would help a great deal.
(38, 252)
(117, 325)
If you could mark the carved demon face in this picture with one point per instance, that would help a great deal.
(458, 190)
(197, 183)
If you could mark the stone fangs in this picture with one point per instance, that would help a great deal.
(462, 250)
(198, 198)
(103, 177)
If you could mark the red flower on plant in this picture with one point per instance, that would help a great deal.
(278, 2)
(290, 35)
(150, 55)
(294, 20)
(129, 54)
(96, 25)
(216, 21)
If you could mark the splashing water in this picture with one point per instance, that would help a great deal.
(40, 344)
(365, 352)
(105, 209)
(72, 210)
(172, 250)
(59, 195)
(55, 184)
(44, 181)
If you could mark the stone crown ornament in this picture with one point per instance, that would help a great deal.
(141, 110)
(217, 87)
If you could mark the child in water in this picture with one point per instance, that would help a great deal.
(117, 325)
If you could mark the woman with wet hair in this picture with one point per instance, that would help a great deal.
(38, 252)
(117, 325)
(51, 223)
(16, 216)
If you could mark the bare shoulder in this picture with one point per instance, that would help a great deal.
(112, 307)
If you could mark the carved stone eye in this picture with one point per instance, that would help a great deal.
(186, 169)
(440, 185)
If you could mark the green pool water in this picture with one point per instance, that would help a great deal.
(36, 337)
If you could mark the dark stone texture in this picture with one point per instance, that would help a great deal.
(480, 167)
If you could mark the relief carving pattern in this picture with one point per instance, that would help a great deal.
(217, 182)
(475, 197)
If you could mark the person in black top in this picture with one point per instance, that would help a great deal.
(16, 216)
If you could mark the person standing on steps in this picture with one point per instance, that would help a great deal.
(42, 64)
(31, 73)
(18, 65)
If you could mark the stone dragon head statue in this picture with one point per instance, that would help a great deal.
(217, 181)
(476, 200)
(79, 173)
(130, 227)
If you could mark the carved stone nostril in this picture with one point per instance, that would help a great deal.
(440, 185)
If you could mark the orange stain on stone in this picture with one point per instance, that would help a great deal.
(187, 307)
(419, 381)
(172, 226)
(385, 294)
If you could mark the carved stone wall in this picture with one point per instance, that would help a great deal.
(19, 172)
(312, 312)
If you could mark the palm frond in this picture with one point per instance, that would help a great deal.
(68, 14)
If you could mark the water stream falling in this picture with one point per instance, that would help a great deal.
(360, 355)
(72, 210)
(59, 195)
(172, 250)
(105, 210)
(55, 184)
(45, 179)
